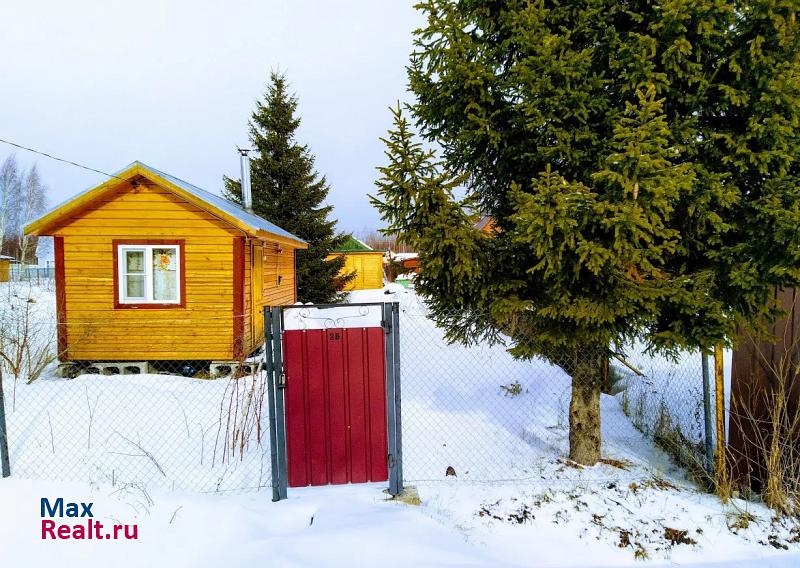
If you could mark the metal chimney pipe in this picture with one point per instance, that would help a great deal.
(247, 191)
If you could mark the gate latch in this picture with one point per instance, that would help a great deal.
(282, 381)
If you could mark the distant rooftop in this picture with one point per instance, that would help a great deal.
(484, 223)
(353, 244)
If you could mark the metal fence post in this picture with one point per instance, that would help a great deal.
(273, 437)
(397, 397)
(395, 482)
(719, 396)
(5, 461)
(708, 418)
(280, 410)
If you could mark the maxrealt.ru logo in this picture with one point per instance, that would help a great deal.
(87, 529)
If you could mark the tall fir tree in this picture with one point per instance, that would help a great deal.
(288, 191)
(640, 160)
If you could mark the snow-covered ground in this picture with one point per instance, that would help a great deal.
(341, 526)
(353, 526)
(159, 430)
(162, 451)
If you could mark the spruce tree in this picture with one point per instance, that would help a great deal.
(640, 160)
(288, 191)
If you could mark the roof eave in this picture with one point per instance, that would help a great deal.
(41, 226)
(281, 240)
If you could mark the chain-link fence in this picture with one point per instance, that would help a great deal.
(469, 413)
(480, 414)
(38, 275)
(176, 424)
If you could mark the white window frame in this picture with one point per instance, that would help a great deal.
(122, 273)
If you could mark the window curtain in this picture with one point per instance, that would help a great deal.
(165, 274)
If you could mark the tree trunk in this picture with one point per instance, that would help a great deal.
(584, 407)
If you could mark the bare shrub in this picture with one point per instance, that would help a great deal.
(27, 336)
(240, 423)
(377, 240)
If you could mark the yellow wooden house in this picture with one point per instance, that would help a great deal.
(149, 267)
(5, 267)
(364, 261)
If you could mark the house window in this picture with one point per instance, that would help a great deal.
(149, 274)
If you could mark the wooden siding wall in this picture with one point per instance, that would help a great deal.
(278, 264)
(249, 340)
(272, 293)
(368, 267)
(96, 331)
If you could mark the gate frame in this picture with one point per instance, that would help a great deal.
(276, 386)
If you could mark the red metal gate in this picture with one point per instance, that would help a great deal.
(336, 419)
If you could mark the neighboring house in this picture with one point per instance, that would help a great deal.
(366, 262)
(149, 267)
(44, 252)
(5, 267)
(486, 224)
(408, 261)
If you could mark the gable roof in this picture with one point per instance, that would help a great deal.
(353, 244)
(219, 206)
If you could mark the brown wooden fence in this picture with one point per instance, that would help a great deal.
(764, 396)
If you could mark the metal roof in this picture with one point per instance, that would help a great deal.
(483, 222)
(258, 223)
(240, 214)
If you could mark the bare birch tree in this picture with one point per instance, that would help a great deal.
(32, 202)
(10, 189)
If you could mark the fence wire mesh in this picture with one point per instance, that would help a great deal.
(39, 275)
(480, 414)
(176, 424)
(470, 413)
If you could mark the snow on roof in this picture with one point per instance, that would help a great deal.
(6, 257)
(404, 255)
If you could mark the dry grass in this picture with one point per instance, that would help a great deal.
(766, 414)
(619, 464)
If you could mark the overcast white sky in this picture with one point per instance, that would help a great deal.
(172, 83)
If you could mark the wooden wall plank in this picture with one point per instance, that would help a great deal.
(96, 331)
